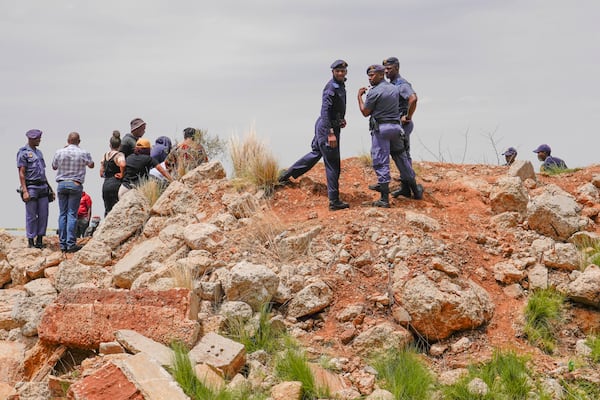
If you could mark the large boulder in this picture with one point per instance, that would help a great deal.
(440, 307)
(176, 199)
(72, 274)
(125, 219)
(586, 287)
(250, 283)
(211, 170)
(313, 298)
(554, 213)
(509, 195)
(137, 261)
(382, 337)
(522, 169)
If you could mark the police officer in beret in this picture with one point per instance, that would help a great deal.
(326, 142)
(408, 105)
(34, 188)
(382, 106)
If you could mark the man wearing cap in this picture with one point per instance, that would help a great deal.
(70, 163)
(550, 163)
(138, 128)
(326, 142)
(408, 105)
(510, 155)
(34, 188)
(382, 106)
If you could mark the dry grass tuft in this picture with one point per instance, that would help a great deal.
(183, 277)
(151, 189)
(253, 163)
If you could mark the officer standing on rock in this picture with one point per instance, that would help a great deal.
(326, 142)
(382, 106)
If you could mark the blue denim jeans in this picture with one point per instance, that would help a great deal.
(69, 196)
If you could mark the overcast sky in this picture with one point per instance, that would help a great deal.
(509, 73)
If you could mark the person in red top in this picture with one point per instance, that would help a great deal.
(83, 214)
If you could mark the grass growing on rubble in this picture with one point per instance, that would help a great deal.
(253, 163)
(593, 342)
(292, 365)
(506, 376)
(543, 314)
(402, 373)
(183, 373)
(151, 189)
(261, 335)
(589, 250)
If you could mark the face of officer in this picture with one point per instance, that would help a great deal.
(375, 77)
(542, 155)
(392, 71)
(33, 143)
(339, 74)
(510, 158)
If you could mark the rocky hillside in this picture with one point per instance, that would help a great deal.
(451, 273)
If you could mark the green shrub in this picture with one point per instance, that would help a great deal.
(580, 389)
(402, 373)
(506, 376)
(543, 313)
(262, 336)
(594, 343)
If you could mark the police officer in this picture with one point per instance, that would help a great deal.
(550, 163)
(510, 155)
(34, 188)
(382, 106)
(326, 142)
(408, 105)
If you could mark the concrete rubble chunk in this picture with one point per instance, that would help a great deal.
(177, 198)
(211, 170)
(137, 261)
(12, 355)
(219, 352)
(153, 381)
(125, 219)
(163, 316)
(210, 377)
(136, 343)
(9, 298)
(287, 391)
(313, 298)
(108, 382)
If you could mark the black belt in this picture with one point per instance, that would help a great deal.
(388, 121)
(35, 183)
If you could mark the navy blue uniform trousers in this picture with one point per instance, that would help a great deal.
(331, 158)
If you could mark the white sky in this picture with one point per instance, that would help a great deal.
(519, 72)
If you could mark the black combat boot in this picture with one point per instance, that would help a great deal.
(376, 187)
(384, 201)
(403, 191)
(283, 177)
(337, 204)
(31, 243)
(416, 189)
(39, 242)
